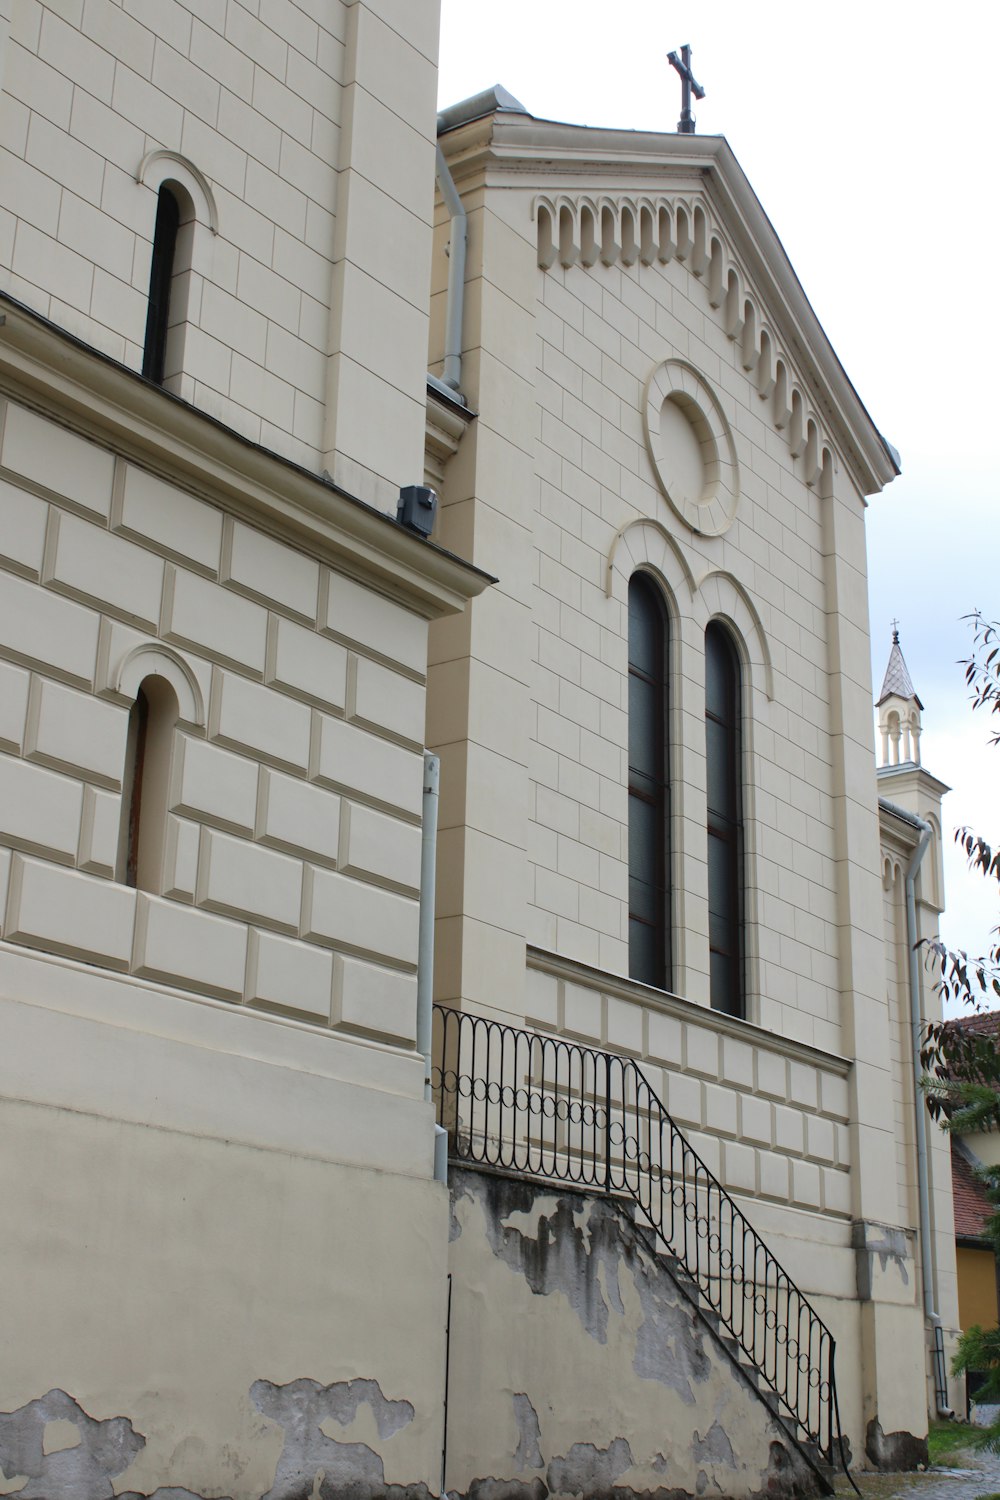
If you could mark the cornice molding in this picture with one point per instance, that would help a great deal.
(445, 426)
(83, 389)
(574, 972)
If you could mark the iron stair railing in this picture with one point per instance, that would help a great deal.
(544, 1107)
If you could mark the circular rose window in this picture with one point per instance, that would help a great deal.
(691, 448)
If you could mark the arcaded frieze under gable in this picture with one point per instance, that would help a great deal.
(613, 197)
(583, 230)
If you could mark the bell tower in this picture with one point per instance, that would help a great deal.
(899, 711)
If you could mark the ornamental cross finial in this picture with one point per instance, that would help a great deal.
(689, 86)
(895, 632)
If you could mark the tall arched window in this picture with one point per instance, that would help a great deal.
(161, 275)
(725, 843)
(145, 787)
(170, 276)
(649, 956)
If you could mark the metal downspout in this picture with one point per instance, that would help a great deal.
(456, 275)
(919, 1109)
(425, 945)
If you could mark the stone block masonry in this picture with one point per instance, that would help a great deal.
(291, 846)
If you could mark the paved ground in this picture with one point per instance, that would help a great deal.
(969, 1476)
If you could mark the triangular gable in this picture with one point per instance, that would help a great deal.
(605, 197)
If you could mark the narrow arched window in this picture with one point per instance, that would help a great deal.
(725, 843)
(161, 278)
(145, 787)
(649, 956)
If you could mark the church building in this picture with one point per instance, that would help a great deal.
(455, 945)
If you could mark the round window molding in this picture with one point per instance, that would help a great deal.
(691, 448)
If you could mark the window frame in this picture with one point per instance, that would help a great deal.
(162, 276)
(651, 789)
(725, 842)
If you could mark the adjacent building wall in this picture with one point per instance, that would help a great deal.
(212, 1103)
(301, 134)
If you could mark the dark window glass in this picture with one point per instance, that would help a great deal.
(160, 277)
(725, 845)
(146, 784)
(138, 725)
(648, 787)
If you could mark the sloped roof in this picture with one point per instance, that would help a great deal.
(897, 681)
(983, 1023)
(972, 1207)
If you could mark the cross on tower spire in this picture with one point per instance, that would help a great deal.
(689, 86)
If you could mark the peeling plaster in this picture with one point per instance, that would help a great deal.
(81, 1471)
(589, 1253)
(573, 1245)
(888, 1244)
(528, 1454)
(63, 1454)
(167, 1492)
(459, 1192)
(894, 1450)
(313, 1464)
(589, 1471)
(714, 1447)
(506, 1489)
(579, 1248)
(670, 1343)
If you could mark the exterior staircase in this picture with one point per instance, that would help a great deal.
(539, 1106)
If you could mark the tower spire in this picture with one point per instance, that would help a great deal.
(899, 710)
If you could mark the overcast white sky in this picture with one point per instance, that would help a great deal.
(869, 132)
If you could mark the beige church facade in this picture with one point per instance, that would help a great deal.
(669, 933)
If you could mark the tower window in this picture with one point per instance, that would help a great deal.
(648, 786)
(146, 784)
(725, 812)
(161, 280)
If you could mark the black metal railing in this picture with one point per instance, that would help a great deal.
(540, 1105)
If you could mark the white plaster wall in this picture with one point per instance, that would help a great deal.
(186, 1270)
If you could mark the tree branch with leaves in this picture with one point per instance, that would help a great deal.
(961, 1062)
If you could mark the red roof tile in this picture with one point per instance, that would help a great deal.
(972, 1207)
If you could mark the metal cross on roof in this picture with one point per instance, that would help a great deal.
(689, 86)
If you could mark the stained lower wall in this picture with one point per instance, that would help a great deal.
(578, 1369)
(200, 1295)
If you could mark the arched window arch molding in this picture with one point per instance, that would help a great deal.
(185, 224)
(158, 167)
(725, 599)
(647, 543)
(157, 660)
(931, 872)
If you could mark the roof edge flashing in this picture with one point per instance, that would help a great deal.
(495, 100)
